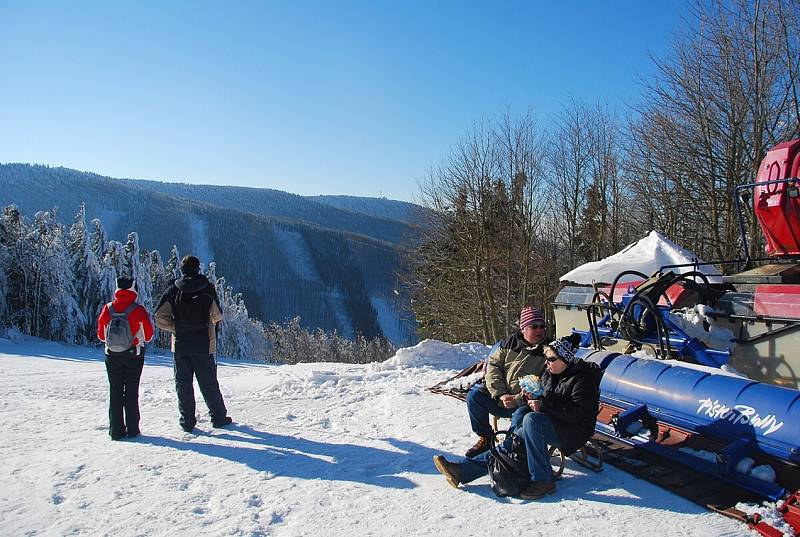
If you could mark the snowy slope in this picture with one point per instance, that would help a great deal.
(318, 449)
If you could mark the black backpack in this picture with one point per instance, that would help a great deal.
(190, 311)
(508, 465)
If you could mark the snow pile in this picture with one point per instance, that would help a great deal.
(697, 323)
(745, 465)
(436, 354)
(769, 513)
(765, 472)
(709, 456)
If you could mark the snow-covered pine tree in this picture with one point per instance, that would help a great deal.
(146, 297)
(290, 343)
(239, 336)
(56, 313)
(172, 270)
(134, 267)
(158, 283)
(85, 269)
(5, 263)
(15, 236)
(98, 240)
(130, 256)
(211, 273)
(106, 281)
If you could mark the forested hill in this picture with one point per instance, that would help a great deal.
(402, 211)
(334, 275)
(274, 203)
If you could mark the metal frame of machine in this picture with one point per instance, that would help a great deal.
(679, 405)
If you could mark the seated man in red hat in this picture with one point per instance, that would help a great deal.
(520, 354)
(563, 416)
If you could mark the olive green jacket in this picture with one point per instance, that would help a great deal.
(514, 359)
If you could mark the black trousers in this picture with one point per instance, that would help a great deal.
(205, 367)
(124, 371)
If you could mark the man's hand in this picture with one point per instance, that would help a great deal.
(535, 404)
(508, 401)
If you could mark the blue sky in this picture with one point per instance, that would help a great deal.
(344, 97)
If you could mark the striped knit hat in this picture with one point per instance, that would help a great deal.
(528, 316)
(565, 348)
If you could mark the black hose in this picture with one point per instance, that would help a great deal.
(620, 275)
(661, 329)
(591, 316)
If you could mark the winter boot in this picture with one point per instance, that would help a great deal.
(222, 422)
(187, 425)
(537, 489)
(480, 446)
(448, 469)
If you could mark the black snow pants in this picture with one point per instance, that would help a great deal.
(124, 372)
(205, 367)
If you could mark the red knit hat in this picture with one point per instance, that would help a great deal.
(528, 316)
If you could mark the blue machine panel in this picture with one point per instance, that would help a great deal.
(717, 406)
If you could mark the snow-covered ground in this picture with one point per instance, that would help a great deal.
(317, 449)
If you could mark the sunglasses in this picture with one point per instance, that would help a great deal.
(551, 358)
(537, 326)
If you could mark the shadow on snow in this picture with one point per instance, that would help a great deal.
(292, 456)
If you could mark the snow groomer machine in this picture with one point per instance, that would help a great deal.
(701, 386)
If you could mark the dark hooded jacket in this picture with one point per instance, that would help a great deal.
(197, 338)
(571, 401)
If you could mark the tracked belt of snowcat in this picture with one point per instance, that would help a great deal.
(696, 487)
(705, 490)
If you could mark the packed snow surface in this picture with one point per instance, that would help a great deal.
(316, 449)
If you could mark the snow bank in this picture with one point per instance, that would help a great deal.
(437, 354)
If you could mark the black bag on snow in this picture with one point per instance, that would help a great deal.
(190, 311)
(508, 465)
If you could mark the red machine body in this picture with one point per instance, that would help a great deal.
(777, 206)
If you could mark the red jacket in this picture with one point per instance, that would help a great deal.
(141, 326)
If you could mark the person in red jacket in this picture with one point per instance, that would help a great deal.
(124, 366)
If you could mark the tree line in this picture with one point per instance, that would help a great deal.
(305, 266)
(54, 280)
(519, 202)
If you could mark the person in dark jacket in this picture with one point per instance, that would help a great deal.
(564, 416)
(190, 310)
(124, 367)
(520, 354)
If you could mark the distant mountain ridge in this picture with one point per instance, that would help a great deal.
(277, 204)
(401, 211)
(287, 254)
